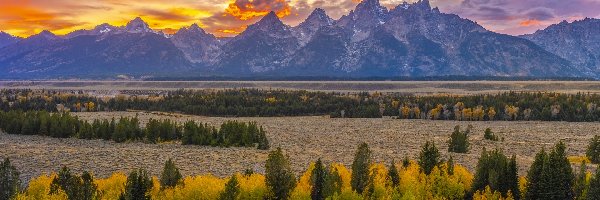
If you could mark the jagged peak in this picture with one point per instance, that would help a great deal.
(137, 25)
(370, 5)
(318, 14)
(271, 17)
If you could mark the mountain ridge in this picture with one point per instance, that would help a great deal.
(409, 40)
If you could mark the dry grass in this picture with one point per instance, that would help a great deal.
(411, 87)
(304, 138)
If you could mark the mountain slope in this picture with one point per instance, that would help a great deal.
(197, 45)
(578, 42)
(7, 39)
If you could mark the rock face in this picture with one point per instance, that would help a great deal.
(197, 45)
(578, 42)
(410, 40)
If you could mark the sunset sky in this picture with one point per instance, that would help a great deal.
(227, 18)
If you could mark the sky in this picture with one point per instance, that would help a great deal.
(230, 17)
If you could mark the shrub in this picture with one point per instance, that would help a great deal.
(489, 135)
(459, 140)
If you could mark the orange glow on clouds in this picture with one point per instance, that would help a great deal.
(257, 8)
(530, 23)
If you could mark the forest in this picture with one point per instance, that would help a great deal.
(429, 176)
(513, 106)
(64, 125)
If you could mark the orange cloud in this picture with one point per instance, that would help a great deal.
(530, 23)
(250, 9)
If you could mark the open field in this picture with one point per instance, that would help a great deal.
(409, 87)
(303, 138)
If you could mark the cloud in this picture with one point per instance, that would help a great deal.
(249, 9)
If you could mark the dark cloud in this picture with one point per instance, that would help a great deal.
(540, 13)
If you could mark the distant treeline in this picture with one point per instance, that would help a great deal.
(329, 78)
(267, 103)
(64, 125)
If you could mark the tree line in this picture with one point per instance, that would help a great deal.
(65, 125)
(544, 106)
(551, 176)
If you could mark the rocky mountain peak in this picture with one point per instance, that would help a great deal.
(137, 25)
(270, 23)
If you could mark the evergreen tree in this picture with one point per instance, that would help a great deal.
(594, 189)
(333, 183)
(459, 140)
(89, 190)
(9, 180)
(232, 189)
(551, 175)
(580, 187)
(429, 157)
(496, 171)
(279, 176)
(450, 168)
(263, 142)
(593, 150)
(360, 168)
(170, 176)
(318, 180)
(67, 182)
(393, 174)
(138, 186)
(534, 177)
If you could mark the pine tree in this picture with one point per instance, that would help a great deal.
(551, 175)
(534, 176)
(429, 157)
(89, 190)
(593, 150)
(333, 183)
(594, 189)
(360, 168)
(263, 142)
(67, 182)
(512, 178)
(580, 187)
(450, 166)
(318, 179)
(138, 186)
(9, 180)
(232, 189)
(279, 176)
(170, 176)
(459, 140)
(496, 171)
(393, 174)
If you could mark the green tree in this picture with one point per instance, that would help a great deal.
(593, 150)
(489, 135)
(498, 172)
(459, 140)
(170, 176)
(580, 188)
(429, 157)
(9, 180)
(551, 175)
(279, 176)
(232, 189)
(360, 168)
(333, 183)
(594, 189)
(450, 164)
(138, 186)
(89, 190)
(393, 174)
(263, 142)
(318, 179)
(67, 182)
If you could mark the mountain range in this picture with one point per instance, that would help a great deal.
(410, 40)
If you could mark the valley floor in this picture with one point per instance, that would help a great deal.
(304, 139)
